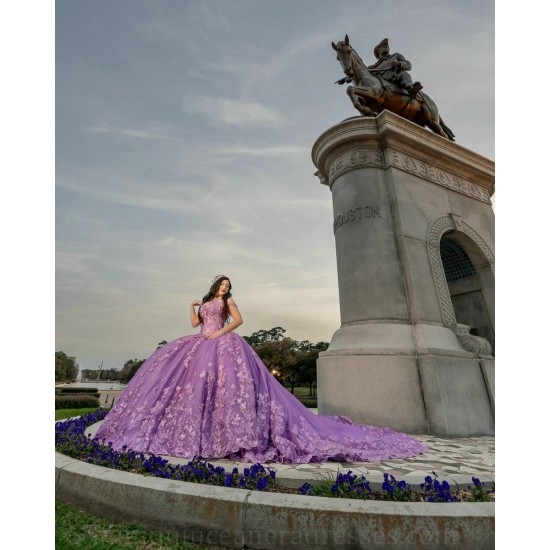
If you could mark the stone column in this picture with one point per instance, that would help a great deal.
(396, 360)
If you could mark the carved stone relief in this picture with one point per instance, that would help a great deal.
(440, 226)
(358, 158)
(441, 177)
(471, 343)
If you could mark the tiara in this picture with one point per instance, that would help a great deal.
(216, 278)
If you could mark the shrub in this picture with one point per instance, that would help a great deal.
(75, 401)
(310, 403)
(90, 391)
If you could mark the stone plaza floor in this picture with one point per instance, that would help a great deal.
(453, 460)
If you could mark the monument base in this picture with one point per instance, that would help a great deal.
(456, 397)
(415, 379)
(443, 396)
(380, 390)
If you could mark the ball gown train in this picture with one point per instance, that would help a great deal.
(214, 398)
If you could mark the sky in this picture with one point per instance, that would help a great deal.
(148, 146)
(183, 150)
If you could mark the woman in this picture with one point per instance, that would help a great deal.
(209, 395)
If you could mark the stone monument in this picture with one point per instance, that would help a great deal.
(414, 233)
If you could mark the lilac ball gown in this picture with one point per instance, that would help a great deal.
(215, 398)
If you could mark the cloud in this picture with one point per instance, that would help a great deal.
(107, 129)
(130, 197)
(273, 151)
(235, 112)
(285, 282)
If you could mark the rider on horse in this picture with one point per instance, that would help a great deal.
(393, 68)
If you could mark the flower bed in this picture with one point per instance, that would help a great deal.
(432, 490)
(70, 440)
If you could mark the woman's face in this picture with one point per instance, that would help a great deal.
(224, 287)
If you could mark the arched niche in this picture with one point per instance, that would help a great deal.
(480, 286)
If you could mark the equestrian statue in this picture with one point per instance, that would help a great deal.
(387, 84)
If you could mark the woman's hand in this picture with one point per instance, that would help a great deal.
(215, 334)
(195, 321)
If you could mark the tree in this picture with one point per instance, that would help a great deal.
(263, 336)
(307, 362)
(289, 361)
(279, 356)
(130, 368)
(66, 368)
(135, 368)
(110, 374)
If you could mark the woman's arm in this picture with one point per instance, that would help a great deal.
(195, 321)
(236, 322)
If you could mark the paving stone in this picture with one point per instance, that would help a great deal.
(464, 457)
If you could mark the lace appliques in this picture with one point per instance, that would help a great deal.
(191, 353)
(211, 314)
(215, 398)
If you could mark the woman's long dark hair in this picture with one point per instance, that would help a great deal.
(212, 294)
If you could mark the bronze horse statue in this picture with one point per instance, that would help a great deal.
(372, 94)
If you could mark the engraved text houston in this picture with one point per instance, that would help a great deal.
(354, 214)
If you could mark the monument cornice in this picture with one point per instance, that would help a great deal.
(432, 172)
(442, 159)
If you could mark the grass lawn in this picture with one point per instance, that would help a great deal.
(302, 391)
(76, 530)
(61, 414)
